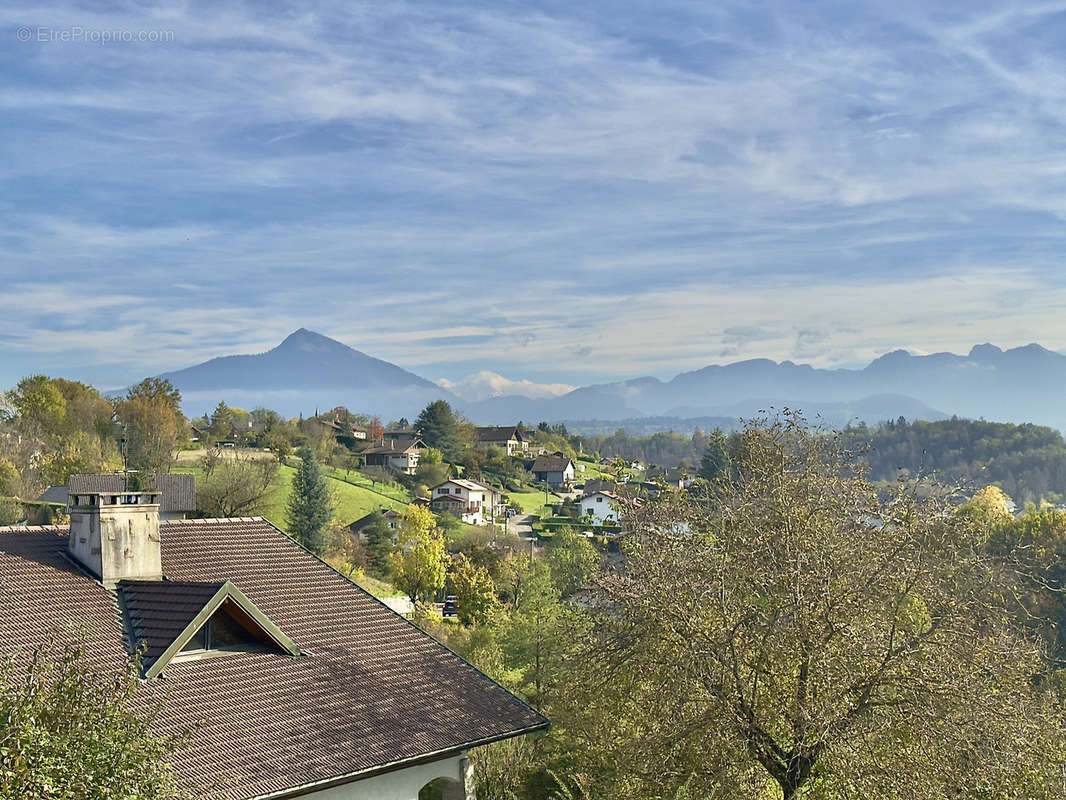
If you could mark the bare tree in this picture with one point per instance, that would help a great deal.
(236, 486)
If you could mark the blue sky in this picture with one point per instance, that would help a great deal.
(566, 192)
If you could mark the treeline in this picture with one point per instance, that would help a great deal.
(1027, 461)
(664, 449)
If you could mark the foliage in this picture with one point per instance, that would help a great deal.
(572, 559)
(439, 427)
(418, 566)
(474, 590)
(531, 638)
(1027, 461)
(716, 462)
(380, 543)
(234, 487)
(310, 505)
(800, 632)
(71, 733)
(151, 417)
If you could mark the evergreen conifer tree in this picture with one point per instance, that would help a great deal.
(310, 505)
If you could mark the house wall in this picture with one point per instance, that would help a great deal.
(404, 784)
(601, 510)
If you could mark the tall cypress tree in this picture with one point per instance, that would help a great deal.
(310, 505)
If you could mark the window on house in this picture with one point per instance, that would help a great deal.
(220, 632)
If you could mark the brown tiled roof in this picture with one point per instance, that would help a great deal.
(551, 463)
(370, 689)
(498, 434)
(178, 490)
(157, 611)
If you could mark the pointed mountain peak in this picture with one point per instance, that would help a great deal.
(309, 341)
(984, 352)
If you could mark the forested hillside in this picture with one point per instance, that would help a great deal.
(1027, 461)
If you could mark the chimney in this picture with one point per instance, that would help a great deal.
(115, 535)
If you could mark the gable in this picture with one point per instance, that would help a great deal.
(166, 618)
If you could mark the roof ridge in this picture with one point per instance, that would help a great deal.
(32, 528)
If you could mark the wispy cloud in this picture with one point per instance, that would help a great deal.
(548, 191)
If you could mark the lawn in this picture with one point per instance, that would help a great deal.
(531, 502)
(352, 502)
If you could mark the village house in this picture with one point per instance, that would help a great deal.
(510, 438)
(397, 454)
(293, 681)
(556, 470)
(393, 520)
(471, 501)
(600, 506)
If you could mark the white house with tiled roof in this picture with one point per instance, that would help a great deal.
(471, 501)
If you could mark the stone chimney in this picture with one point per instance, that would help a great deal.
(115, 535)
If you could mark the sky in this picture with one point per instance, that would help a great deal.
(558, 193)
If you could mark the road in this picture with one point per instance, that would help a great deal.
(520, 525)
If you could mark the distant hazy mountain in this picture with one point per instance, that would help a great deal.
(305, 372)
(309, 371)
(1024, 384)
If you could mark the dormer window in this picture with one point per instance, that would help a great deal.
(178, 621)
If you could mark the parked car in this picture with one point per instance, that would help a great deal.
(451, 606)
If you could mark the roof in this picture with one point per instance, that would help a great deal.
(552, 464)
(498, 433)
(466, 483)
(605, 493)
(363, 522)
(395, 447)
(179, 491)
(158, 611)
(370, 689)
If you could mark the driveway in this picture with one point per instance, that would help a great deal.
(520, 525)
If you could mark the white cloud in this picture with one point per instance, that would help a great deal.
(483, 385)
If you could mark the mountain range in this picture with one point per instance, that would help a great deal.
(309, 371)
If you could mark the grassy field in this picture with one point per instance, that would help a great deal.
(352, 502)
(531, 502)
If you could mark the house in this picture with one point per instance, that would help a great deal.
(676, 478)
(556, 470)
(601, 506)
(471, 501)
(178, 491)
(510, 438)
(293, 681)
(393, 519)
(399, 455)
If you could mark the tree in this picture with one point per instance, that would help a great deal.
(531, 638)
(474, 591)
(310, 505)
(801, 632)
(380, 543)
(69, 731)
(715, 462)
(438, 427)
(234, 487)
(152, 418)
(572, 559)
(40, 406)
(418, 566)
(221, 422)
